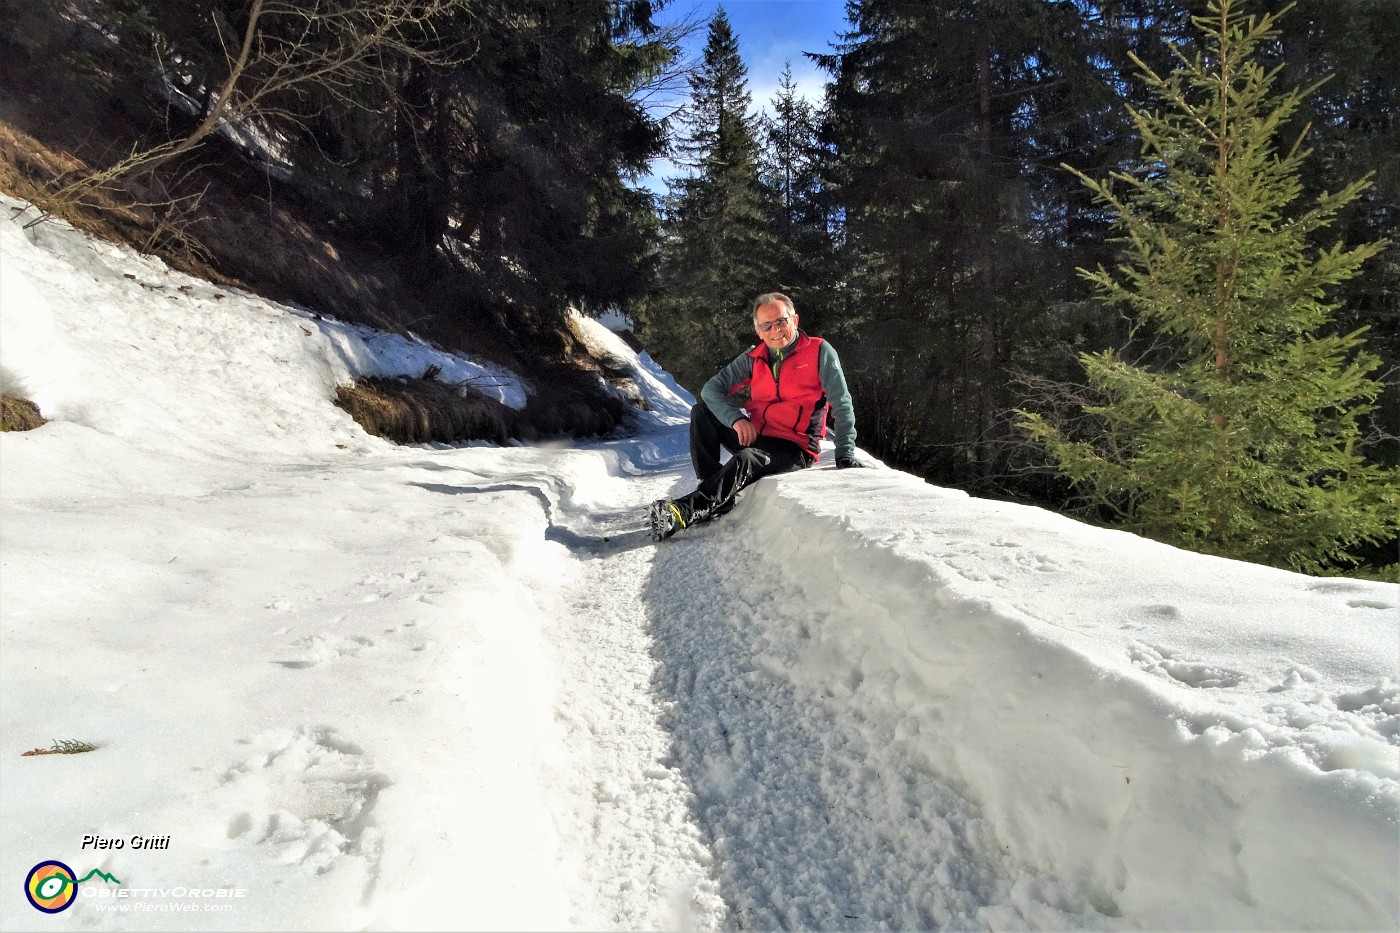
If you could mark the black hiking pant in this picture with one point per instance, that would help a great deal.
(720, 484)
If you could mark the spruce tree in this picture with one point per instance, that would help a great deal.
(718, 245)
(789, 163)
(791, 167)
(1240, 432)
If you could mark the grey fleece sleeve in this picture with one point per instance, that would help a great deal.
(716, 396)
(843, 411)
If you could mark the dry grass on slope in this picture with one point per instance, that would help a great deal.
(18, 414)
(421, 410)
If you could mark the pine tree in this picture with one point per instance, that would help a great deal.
(514, 162)
(789, 159)
(1241, 433)
(718, 244)
(791, 168)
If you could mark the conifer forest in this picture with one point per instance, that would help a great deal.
(1133, 260)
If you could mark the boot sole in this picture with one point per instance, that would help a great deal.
(658, 516)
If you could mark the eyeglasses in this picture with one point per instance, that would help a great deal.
(765, 328)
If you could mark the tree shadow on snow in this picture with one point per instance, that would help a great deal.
(633, 532)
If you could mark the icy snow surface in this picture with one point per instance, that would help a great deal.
(380, 687)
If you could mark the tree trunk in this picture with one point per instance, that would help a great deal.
(986, 454)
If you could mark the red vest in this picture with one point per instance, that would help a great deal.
(793, 405)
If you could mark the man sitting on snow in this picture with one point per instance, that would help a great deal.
(768, 408)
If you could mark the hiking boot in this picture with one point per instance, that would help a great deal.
(706, 511)
(667, 517)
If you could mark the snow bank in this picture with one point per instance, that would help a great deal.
(365, 351)
(187, 348)
(1195, 742)
(667, 403)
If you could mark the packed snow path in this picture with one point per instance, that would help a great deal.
(373, 687)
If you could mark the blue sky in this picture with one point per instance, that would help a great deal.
(770, 32)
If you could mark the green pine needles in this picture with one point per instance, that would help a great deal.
(1240, 431)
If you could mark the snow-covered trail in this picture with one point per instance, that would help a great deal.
(703, 787)
(639, 859)
(804, 820)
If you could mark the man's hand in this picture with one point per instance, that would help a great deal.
(746, 431)
(845, 463)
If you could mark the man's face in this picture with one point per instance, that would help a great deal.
(780, 323)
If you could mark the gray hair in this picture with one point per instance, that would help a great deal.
(767, 298)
